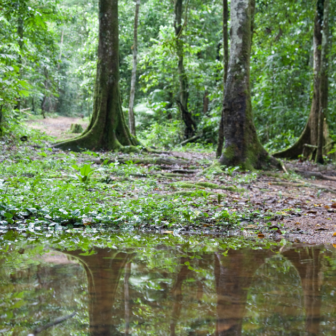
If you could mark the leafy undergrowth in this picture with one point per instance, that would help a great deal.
(44, 189)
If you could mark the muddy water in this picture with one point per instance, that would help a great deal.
(167, 291)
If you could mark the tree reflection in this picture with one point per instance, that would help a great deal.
(308, 264)
(233, 276)
(103, 270)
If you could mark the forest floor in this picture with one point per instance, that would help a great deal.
(43, 188)
(57, 127)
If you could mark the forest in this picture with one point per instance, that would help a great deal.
(167, 167)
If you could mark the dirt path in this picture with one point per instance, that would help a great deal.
(57, 127)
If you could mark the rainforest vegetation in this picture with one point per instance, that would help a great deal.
(167, 167)
(175, 106)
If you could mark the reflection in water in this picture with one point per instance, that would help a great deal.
(166, 291)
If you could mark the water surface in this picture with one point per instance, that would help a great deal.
(167, 288)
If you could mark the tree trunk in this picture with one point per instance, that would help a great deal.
(133, 80)
(20, 32)
(226, 66)
(182, 102)
(242, 146)
(315, 132)
(107, 129)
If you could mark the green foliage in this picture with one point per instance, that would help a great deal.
(85, 172)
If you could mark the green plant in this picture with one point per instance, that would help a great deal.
(85, 172)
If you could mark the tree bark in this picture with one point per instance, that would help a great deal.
(315, 132)
(133, 80)
(107, 129)
(182, 102)
(20, 32)
(226, 66)
(242, 146)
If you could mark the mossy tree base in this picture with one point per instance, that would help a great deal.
(107, 129)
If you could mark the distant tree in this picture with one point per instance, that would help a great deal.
(182, 101)
(242, 146)
(107, 129)
(226, 66)
(134, 70)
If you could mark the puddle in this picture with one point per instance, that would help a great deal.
(161, 286)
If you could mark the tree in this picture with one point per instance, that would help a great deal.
(182, 102)
(242, 146)
(107, 129)
(315, 135)
(226, 65)
(133, 80)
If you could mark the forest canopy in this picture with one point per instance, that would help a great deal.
(48, 61)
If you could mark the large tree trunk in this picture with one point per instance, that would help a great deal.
(133, 80)
(107, 129)
(226, 66)
(182, 102)
(242, 146)
(315, 134)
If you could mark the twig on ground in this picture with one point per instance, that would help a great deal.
(53, 323)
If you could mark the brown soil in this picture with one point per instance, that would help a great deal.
(57, 127)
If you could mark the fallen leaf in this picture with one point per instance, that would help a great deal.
(251, 227)
(334, 234)
(312, 212)
(261, 235)
(334, 245)
(297, 223)
(168, 231)
(321, 229)
(333, 205)
(327, 207)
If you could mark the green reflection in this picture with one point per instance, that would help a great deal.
(165, 285)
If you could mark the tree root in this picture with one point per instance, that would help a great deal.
(196, 193)
(151, 160)
(304, 185)
(196, 185)
(317, 175)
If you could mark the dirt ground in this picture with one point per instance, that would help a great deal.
(302, 209)
(57, 127)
